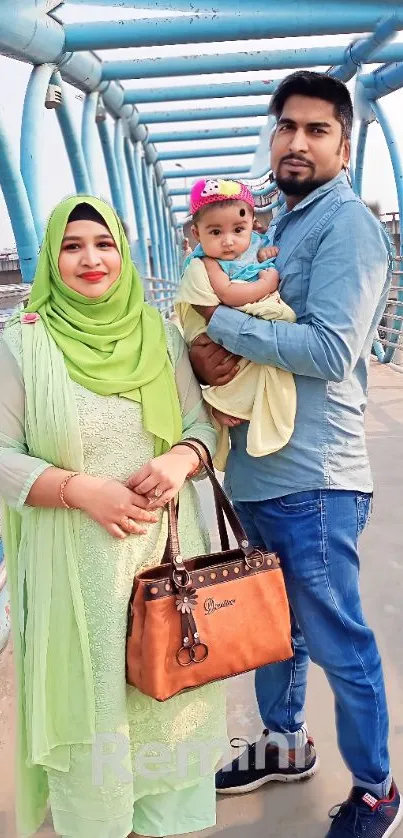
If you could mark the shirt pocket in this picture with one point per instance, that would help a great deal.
(294, 283)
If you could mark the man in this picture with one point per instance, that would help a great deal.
(311, 500)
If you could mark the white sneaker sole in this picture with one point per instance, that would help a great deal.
(398, 819)
(279, 778)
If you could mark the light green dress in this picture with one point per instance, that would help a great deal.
(151, 768)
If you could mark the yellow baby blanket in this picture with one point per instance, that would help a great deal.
(264, 396)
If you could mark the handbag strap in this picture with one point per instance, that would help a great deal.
(222, 527)
(223, 505)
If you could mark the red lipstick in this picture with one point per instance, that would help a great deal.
(92, 276)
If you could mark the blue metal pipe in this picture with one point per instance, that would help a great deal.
(267, 190)
(202, 114)
(30, 33)
(223, 151)
(139, 208)
(284, 59)
(137, 161)
(81, 69)
(167, 235)
(72, 145)
(31, 140)
(111, 168)
(383, 81)
(359, 157)
(152, 220)
(201, 91)
(19, 210)
(181, 208)
(121, 167)
(362, 50)
(89, 137)
(160, 223)
(280, 21)
(395, 157)
(397, 166)
(180, 190)
(204, 134)
(219, 172)
(232, 6)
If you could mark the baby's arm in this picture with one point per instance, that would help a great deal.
(236, 294)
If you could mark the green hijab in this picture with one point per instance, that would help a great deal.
(114, 344)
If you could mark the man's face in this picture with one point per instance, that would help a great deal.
(308, 148)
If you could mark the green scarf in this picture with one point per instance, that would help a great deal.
(114, 344)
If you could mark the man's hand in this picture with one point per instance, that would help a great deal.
(205, 311)
(212, 364)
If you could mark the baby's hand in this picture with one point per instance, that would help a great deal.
(225, 419)
(267, 253)
(271, 278)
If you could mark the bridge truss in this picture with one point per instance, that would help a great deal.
(143, 175)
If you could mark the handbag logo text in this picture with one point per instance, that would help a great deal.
(210, 605)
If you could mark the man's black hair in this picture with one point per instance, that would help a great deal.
(316, 86)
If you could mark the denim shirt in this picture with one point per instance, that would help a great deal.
(333, 264)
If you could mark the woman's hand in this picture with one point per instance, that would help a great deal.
(114, 506)
(162, 478)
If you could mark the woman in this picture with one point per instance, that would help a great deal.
(95, 393)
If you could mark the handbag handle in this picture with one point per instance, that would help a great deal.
(223, 505)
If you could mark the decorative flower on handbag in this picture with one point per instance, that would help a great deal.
(186, 600)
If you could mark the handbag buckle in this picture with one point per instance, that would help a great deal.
(255, 560)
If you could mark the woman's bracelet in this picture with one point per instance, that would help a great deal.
(63, 487)
(200, 466)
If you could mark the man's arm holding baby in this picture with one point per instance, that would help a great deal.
(338, 315)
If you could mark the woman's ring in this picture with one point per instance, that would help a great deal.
(127, 523)
(158, 492)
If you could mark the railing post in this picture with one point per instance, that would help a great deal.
(19, 210)
(160, 224)
(111, 168)
(397, 166)
(30, 145)
(152, 221)
(88, 137)
(139, 208)
(71, 142)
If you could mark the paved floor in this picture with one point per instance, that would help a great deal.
(300, 811)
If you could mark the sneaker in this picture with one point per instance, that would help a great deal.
(364, 815)
(259, 764)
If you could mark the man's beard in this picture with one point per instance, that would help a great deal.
(295, 188)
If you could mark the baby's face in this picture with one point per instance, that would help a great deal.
(225, 232)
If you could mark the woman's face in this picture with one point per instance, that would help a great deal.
(89, 261)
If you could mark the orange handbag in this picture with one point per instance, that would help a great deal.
(207, 618)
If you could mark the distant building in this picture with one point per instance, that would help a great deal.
(9, 268)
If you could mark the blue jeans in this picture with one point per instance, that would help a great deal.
(316, 534)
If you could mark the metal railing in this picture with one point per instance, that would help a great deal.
(160, 293)
(388, 345)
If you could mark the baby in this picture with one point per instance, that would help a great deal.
(224, 268)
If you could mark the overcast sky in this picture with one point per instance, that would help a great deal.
(55, 175)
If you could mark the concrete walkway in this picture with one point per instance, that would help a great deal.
(300, 811)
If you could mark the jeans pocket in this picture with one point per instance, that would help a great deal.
(364, 505)
(308, 501)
